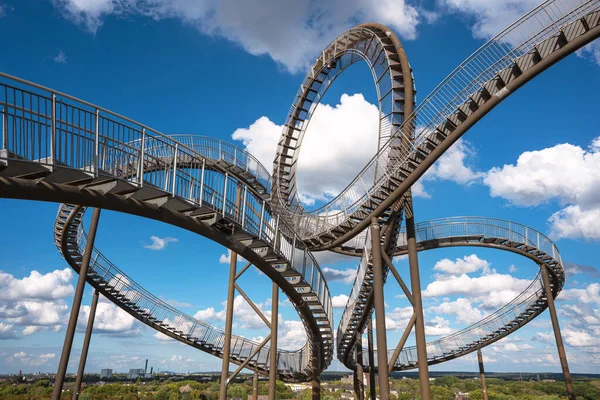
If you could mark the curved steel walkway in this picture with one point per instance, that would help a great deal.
(470, 231)
(115, 285)
(539, 39)
(536, 41)
(382, 52)
(58, 148)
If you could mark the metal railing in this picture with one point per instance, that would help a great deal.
(155, 312)
(502, 322)
(485, 231)
(468, 78)
(486, 227)
(231, 154)
(56, 130)
(362, 43)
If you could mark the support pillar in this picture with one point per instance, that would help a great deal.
(316, 371)
(228, 326)
(557, 335)
(66, 351)
(482, 374)
(379, 302)
(229, 312)
(255, 386)
(372, 387)
(415, 281)
(273, 350)
(86, 345)
(359, 387)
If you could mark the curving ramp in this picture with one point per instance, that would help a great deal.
(114, 284)
(468, 231)
(539, 39)
(59, 148)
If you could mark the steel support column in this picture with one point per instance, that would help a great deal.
(229, 311)
(255, 386)
(359, 377)
(557, 335)
(228, 326)
(379, 302)
(316, 370)
(372, 386)
(86, 345)
(482, 374)
(415, 281)
(85, 263)
(273, 349)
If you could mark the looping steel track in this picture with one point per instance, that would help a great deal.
(58, 148)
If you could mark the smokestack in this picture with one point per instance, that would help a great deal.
(146, 367)
(151, 369)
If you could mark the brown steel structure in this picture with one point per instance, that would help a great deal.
(86, 345)
(482, 374)
(58, 148)
(66, 351)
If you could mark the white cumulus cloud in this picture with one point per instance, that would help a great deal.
(339, 301)
(347, 275)
(51, 286)
(109, 320)
(489, 17)
(461, 308)
(565, 173)
(460, 266)
(340, 139)
(291, 33)
(159, 243)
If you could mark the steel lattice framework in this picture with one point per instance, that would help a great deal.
(58, 148)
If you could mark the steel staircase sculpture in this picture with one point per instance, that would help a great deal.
(539, 39)
(463, 231)
(502, 65)
(58, 148)
(115, 285)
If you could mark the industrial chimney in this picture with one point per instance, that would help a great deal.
(146, 367)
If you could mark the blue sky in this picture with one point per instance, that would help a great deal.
(230, 71)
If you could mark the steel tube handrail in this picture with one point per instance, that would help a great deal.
(485, 231)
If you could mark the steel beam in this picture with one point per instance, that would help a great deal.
(382, 362)
(85, 263)
(372, 386)
(86, 345)
(249, 358)
(228, 327)
(557, 335)
(273, 350)
(415, 281)
(229, 311)
(359, 387)
(512, 86)
(255, 386)
(482, 374)
(316, 370)
(252, 305)
(402, 342)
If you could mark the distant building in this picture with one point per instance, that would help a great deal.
(298, 387)
(105, 373)
(135, 373)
